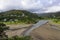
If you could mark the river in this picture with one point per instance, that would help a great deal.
(38, 24)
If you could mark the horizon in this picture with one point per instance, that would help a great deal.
(29, 11)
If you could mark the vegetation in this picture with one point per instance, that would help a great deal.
(25, 17)
(20, 38)
(55, 16)
(18, 16)
(3, 27)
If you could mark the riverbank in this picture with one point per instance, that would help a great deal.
(17, 29)
(46, 32)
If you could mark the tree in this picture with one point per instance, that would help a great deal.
(3, 28)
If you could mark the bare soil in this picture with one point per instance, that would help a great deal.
(46, 32)
(17, 29)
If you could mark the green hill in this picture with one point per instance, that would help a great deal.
(50, 15)
(20, 16)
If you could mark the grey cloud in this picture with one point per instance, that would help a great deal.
(31, 5)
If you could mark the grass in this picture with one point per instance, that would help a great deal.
(18, 22)
(12, 23)
(18, 38)
(55, 22)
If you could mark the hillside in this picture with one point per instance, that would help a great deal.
(19, 16)
(52, 14)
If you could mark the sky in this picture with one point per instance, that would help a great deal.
(36, 6)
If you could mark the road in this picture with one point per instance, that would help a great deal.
(38, 24)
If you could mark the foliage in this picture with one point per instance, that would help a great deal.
(20, 38)
(18, 16)
(3, 27)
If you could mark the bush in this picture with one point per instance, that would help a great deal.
(20, 38)
(3, 27)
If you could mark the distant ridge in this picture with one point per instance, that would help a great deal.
(49, 14)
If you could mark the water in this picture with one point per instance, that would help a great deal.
(38, 24)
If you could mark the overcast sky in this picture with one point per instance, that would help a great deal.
(36, 6)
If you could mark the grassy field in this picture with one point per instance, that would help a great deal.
(55, 21)
(8, 23)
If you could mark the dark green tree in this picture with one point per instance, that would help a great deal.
(3, 28)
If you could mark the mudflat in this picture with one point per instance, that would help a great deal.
(17, 29)
(46, 32)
